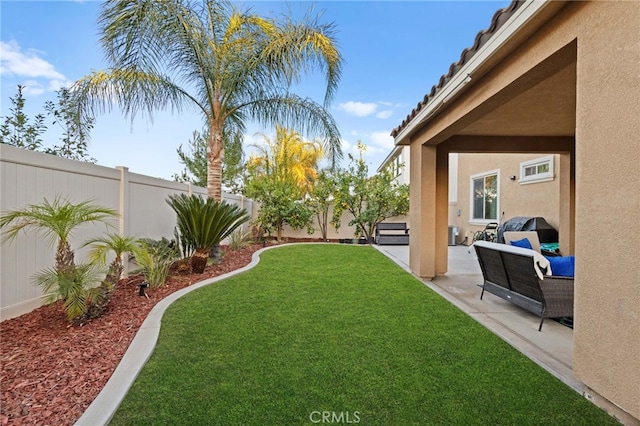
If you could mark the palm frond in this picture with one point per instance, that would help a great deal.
(205, 223)
(304, 115)
(134, 90)
(74, 287)
(56, 220)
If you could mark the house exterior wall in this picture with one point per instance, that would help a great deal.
(515, 198)
(607, 309)
(28, 177)
(599, 200)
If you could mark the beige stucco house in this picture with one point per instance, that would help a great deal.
(559, 78)
(498, 187)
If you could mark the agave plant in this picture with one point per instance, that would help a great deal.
(204, 223)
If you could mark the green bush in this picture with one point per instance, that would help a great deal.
(155, 258)
(239, 239)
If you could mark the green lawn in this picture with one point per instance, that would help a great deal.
(343, 330)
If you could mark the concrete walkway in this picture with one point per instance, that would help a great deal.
(551, 348)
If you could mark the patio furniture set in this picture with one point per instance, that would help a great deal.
(518, 272)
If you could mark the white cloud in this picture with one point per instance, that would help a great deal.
(32, 87)
(382, 139)
(359, 109)
(15, 62)
(384, 114)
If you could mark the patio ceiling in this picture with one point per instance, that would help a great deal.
(548, 108)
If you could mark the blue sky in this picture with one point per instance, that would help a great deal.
(394, 52)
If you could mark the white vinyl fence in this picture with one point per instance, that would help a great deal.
(28, 177)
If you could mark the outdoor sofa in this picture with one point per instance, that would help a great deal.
(392, 233)
(524, 278)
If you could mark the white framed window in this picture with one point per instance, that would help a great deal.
(537, 170)
(485, 197)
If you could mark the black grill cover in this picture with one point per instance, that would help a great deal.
(546, 232)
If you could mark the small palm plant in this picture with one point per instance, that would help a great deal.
(75, 287)
(100, 248)
(57, 220)
(204, 223)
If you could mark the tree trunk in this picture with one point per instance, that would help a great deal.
(215, 156)
(199, 261)
(64, 257)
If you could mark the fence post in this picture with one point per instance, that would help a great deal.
(123, 210)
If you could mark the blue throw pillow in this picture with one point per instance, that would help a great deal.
(562, 266)
(524, 243)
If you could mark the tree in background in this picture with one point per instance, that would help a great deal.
(370, 200)
(16, 129)
(279, 178)
(231, 65)
(75, 129)
(321, 198)
(195, 162)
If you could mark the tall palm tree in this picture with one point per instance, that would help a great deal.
(232, 65)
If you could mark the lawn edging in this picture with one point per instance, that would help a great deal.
(102, 409)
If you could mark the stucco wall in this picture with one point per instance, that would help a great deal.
(607, 310)
(516, 198)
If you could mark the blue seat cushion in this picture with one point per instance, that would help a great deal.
(524, 243)
(562, 266)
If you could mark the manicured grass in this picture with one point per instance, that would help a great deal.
(338, 329)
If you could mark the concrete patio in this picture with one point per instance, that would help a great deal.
(551, 348)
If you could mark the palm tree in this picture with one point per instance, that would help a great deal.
(119, 245)
(233, 66)
(100, 248)
(288, 158)
(56, 220)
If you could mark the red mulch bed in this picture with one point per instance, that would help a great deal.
(52, 371)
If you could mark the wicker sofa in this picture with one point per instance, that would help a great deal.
(516, 274)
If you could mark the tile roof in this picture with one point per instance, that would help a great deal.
(499, 18)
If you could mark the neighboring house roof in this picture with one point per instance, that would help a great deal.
(499, 18)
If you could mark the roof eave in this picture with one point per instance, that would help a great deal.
(456, 85)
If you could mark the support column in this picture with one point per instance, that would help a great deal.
(442, 212)
(567, 203)
(422, 211)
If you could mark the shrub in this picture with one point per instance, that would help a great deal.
(204, 223)
(239, 239)
(155, 258)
